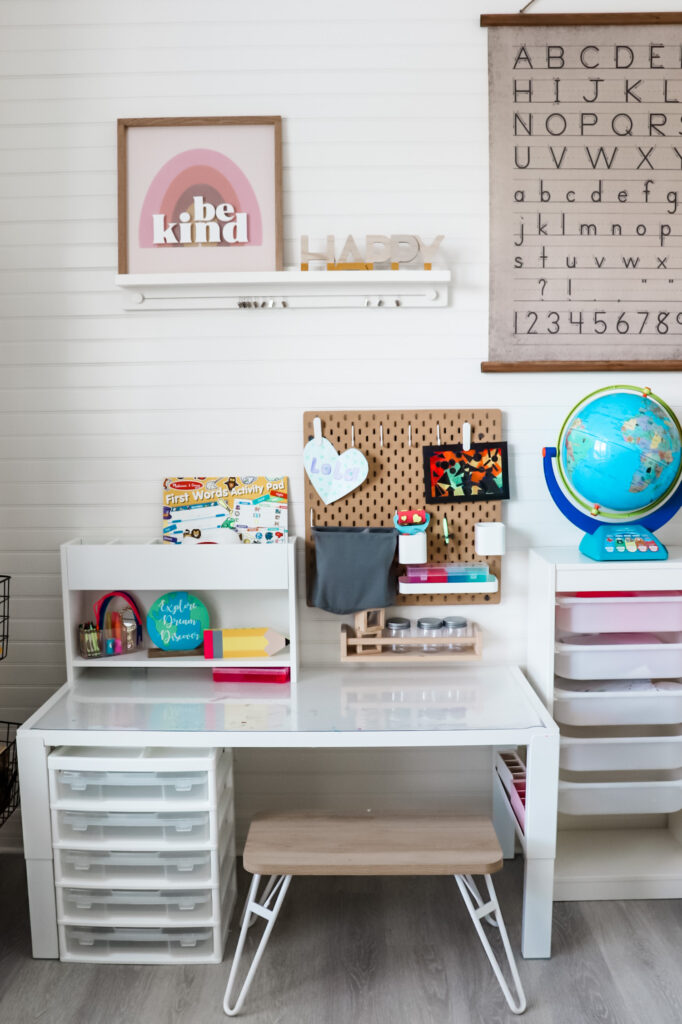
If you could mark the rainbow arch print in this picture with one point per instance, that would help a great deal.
(199, 172)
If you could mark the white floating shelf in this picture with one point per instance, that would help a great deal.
(489, 587)
(286, 289)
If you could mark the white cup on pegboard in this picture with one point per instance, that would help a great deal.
(489, 539)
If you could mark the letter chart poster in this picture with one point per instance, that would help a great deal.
(200, 195)
(586, 194)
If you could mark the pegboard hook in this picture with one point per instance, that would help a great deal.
(317, 429)
(466, 436)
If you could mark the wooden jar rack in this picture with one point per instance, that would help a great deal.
(376, 648)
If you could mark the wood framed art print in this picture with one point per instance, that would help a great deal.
(199, 194)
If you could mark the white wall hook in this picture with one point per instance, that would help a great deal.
(466, 436)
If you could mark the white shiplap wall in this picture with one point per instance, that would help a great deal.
(385, 130)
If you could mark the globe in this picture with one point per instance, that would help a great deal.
(620, 449)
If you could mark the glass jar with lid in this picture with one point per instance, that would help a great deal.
(398, 628)
(428, 627)
(455, 626)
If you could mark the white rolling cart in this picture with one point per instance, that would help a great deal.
(605, 655)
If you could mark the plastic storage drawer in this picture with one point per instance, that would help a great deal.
(110, 787)
(657, 611)
(144, 829)
(619, 656)
(617, 702)
(128, 867)
(139, 945)
(621, 793)
(652, 748)
(137, 906)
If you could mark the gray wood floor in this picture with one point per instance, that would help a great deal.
(370, 951)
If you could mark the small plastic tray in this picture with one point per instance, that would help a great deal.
(621, 793)
(137, 945)
(617, 702)
(658, 611)
(131, 786)
(136, 906)
(619, 748)
(141, 827)
(135, 866)
(619, 656)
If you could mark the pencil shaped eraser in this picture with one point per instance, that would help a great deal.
(243, 643)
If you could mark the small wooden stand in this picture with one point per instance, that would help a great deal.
(377, 649)
(369, 625)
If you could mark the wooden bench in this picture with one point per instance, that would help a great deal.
(283, 845)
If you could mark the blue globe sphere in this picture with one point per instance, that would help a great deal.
(620, 448)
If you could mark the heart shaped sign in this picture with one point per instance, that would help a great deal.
(333, 475)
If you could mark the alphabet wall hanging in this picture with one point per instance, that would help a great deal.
(585, 198)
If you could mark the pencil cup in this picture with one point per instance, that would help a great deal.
(412, 548)
(489, 538)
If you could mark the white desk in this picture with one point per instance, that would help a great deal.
(358, 707)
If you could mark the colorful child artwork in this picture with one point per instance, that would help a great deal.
(478, 473)
(225, 510)
(177, 621)
(199, 194)
(333, 475)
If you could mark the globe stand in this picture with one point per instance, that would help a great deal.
(613, 542)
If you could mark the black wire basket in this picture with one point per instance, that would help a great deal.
(9, 775)
(4, 615)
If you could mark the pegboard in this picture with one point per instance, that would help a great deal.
(392, 442)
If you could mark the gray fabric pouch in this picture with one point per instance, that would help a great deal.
(353, 568)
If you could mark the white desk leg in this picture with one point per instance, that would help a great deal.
(35, 817)
(542, 776)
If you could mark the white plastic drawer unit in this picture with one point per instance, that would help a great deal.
(142, 829)
(618, 702)
(137, 906)
(620, 793)
(136, 867)
(621, 748)
(139, 945)
(634, 612)
(619, 656)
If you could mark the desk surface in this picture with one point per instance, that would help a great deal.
(468, 705)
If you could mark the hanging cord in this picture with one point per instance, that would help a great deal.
(525, 8)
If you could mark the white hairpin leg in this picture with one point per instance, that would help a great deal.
(486, 911)
(276, 890)
(473, 889)
(269, 886)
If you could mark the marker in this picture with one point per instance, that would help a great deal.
(446, 532)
